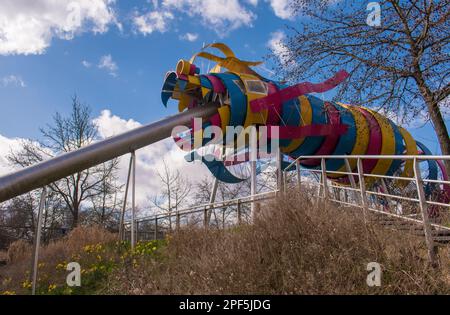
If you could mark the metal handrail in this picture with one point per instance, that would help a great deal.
(369, 157)
(49, 171)
(209, 206)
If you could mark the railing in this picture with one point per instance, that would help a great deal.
(361, 191)
(204, 209)
(39, 175)
(356, 194)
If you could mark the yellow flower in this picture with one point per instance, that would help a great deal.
(26, 284)
(75, 257)
(41, 265)
(8, 293)
(60, 266)
(51, 287)
(98, 247)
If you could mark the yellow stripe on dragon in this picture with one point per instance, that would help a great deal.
(308, 125)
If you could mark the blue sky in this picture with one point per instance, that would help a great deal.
(51, 77)
(114, 54)
(116, 57)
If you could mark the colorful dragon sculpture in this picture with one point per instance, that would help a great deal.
(307, 125)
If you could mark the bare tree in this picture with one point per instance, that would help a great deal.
(202, 195)
(402, 65)
(17, 217)
(203, 190)
(64, 135)
(106, 204)
(175, 191)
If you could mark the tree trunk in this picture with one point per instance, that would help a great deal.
(440, 129)
(435, 115)
(75, 218)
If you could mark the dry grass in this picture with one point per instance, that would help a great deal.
(3, 256)
(294, 248)
(18, 251)
(14, 276)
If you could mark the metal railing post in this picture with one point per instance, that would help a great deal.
(253, 178)
(37, 241)
(319, 191)
(133, 203)
(336, 194)
(299, 175)
(280, 181)
(346, 197)
(205, 217)
(351, 179)
(137, 231)
(239, 215)
(155, 236)
(122, 215)
(386, 191)
(362, 188)
(177, 219)
(212, 198)
(324, 179)
(432, 249)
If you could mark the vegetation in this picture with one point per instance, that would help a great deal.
(295, 247)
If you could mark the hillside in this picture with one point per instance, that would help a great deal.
(293, 248)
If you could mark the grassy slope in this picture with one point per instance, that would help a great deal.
(294, 248)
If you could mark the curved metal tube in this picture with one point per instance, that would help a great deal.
(46, 172)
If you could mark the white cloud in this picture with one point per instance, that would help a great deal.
(12, 80)
(277, 46)
(27, 27)
(253, 2)
(106, 62)
(219, 15)
(7, 145)
(189, 37)
(149, 159)
(154, 21)
(86, 64)
(282, 8)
